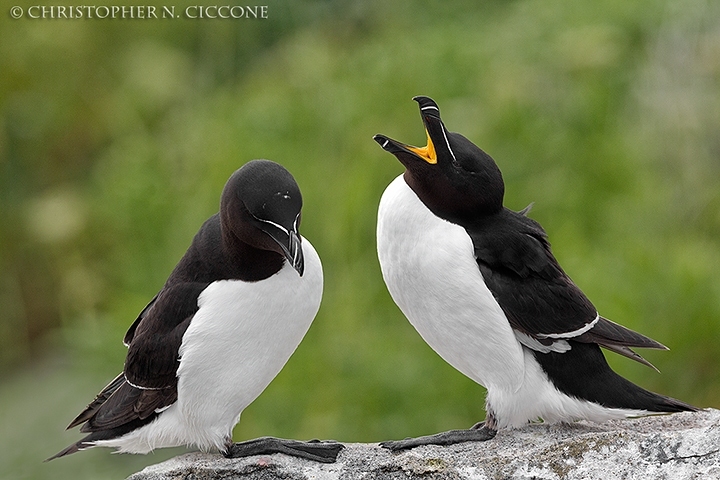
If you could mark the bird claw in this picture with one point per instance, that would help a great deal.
(397, 445)
(451, 437)
(324, 451)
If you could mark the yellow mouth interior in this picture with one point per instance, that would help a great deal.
(427, 153)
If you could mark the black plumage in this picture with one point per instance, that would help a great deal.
(251, 239)
(549, 315)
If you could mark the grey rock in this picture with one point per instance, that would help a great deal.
(679, 446)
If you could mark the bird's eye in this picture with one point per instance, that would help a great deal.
(283, 195)
(467, 166)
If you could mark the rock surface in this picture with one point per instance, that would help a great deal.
(679, 446)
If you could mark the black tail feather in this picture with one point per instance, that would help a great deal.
(582, 372)
(619, 339)
(632, 355)
(109, 416)
(89, 440)
(608, 333)
(75, 447)
(99, 400)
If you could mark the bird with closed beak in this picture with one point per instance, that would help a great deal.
(227, 320)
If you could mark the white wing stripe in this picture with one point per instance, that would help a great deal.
(572, 334)
(140, 387)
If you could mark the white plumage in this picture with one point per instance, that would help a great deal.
(430, 270)
(237, 342)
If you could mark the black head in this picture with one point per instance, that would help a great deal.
(454, 178)
(260, 206)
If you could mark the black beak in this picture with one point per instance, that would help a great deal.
(390, 145)
(293, 252)
(289, 241)
(434, 128)
(428, 107)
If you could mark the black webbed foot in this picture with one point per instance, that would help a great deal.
(316, 450)
(478, 433)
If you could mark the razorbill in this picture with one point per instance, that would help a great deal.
(482, 287)
(228, 318)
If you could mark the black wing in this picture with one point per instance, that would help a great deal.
(119, 409)
(536, 295)
(148, 383)
(131, 331)
(152, 360)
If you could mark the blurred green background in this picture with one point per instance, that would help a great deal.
(116, 138)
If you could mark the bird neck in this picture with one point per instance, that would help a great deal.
(250, 263)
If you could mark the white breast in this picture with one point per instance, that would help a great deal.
(237, 342)
(430, 270)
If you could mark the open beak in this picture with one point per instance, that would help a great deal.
(434, 128)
